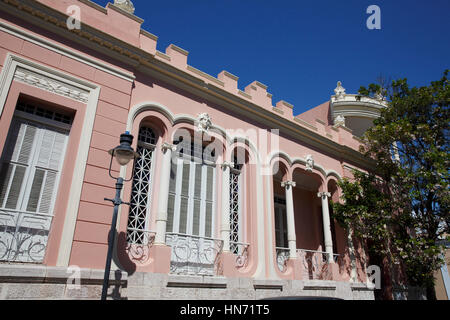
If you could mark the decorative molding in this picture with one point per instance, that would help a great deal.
(323, 194)
(168, 146)
(309, 163)
(204, 122)
(125, 5)
(339, 91)
(54, 86)
(285, 184)
(227, 164)
(339, 120)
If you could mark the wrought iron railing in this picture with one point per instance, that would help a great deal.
(23, 236)
(241, 252)
(194, 255)
(316, 264)
(138, 248)
(282, 258)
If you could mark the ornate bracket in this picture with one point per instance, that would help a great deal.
(203, 122)
(309, 163)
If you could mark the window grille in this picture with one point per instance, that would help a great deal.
(44, 113)
(235, 207)
(138, 217)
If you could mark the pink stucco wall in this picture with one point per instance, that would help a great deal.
(117, 97)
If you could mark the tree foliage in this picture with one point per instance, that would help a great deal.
(402, 206)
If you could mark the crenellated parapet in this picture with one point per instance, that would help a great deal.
(116, 31)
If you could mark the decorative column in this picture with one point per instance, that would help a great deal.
(163, 196)
(292, 241)
(225, 228)
(326, 224)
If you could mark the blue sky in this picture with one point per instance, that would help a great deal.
(300, 49)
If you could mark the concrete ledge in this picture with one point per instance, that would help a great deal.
(360, 286)
(268, 285)
(21, 273)
(319, 285)
(196, 282)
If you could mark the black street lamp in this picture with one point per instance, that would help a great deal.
(123, 154)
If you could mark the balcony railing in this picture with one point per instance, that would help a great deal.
(240, 250)
(316, 264)
(282, 258)
(23, 236)
(194, 255)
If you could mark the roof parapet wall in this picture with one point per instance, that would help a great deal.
(125, 26)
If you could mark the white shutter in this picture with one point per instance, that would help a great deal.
(30, 167)
(5, 176)
(48, 162)
(47, 193)
(35, 192)
(191, 197)
(171, 201)
(15, 162)
(15, 187)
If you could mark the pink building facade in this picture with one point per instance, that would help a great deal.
(230, 198)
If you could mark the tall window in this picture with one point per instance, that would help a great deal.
(235, 206)
(281, 240)
(30, 168)
(191, 191)
(138, 218)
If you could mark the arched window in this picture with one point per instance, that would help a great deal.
(139, 215)
(191, 209)
(191, 191)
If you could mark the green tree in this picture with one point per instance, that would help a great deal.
(401, 207)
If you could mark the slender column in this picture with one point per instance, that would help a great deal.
(292, 240)
(163, 196)
(326, 224)
(225, 228)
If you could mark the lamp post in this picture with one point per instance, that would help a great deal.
(123, 153)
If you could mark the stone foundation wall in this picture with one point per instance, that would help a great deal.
(32, 282)
(163, 286)
(41, 282)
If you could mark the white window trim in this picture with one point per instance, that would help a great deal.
(12, 62)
